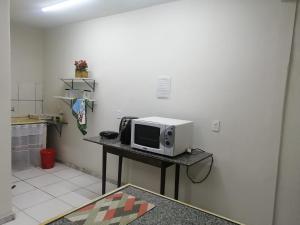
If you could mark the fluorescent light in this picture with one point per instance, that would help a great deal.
(62, 5)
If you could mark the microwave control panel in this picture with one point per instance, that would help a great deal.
(169, 134)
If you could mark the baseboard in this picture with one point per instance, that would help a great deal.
(85, 171)
(7, 219)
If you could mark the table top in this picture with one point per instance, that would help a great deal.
(186, 159)
(166, 211)
(25, 120)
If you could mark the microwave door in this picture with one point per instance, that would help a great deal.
(148, 136)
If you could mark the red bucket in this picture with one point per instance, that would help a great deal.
(47, 158)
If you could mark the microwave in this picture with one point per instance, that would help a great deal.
(160, 135)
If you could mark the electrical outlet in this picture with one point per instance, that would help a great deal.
(216, 126)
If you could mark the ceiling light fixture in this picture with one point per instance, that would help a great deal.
(62, 5)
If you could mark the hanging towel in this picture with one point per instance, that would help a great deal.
(79, 112)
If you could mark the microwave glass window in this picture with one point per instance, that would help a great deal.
(147, 136)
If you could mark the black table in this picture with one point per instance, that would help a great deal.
(167, 211)
(163, 162)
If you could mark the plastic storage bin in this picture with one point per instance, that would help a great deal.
(20, 160)
(27, 141)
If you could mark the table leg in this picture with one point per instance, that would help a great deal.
(104, 159)
(177, 173)
(120, 171)
(162, 179)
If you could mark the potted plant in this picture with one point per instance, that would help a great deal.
(81, 69)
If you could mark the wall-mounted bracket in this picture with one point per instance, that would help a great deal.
(57, 125)
(91, 83)
(91, 105)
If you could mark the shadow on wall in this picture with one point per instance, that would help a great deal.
(214, 181)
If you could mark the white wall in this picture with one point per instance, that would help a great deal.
(27, 60)
(228, 61)
(288, 203)
(27, 53)
(5, 171)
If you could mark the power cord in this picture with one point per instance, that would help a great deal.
(209, 170)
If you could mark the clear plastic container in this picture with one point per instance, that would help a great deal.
(20, 160)
(35, 158)
(27, 141)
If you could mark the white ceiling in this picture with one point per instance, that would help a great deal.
(29, 11)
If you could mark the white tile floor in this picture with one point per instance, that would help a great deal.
(43, 194)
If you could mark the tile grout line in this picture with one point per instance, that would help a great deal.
(62, 179)
(25, 181)
(30, 217)
(40, 204)
(67, 180)
(54, 197)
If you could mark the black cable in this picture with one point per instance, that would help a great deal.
(197, 149)
(208, 173)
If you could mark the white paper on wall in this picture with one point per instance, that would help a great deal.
(163, 87)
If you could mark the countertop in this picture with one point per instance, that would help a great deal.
(184, 159)
(28, 120)
(25, 120)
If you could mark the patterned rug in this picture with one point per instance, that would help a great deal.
(116, 209)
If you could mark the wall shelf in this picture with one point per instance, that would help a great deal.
(77, 84)
(69, 101)
(91, 83)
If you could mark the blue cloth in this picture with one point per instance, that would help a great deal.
(79, 112)
(78, 106)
